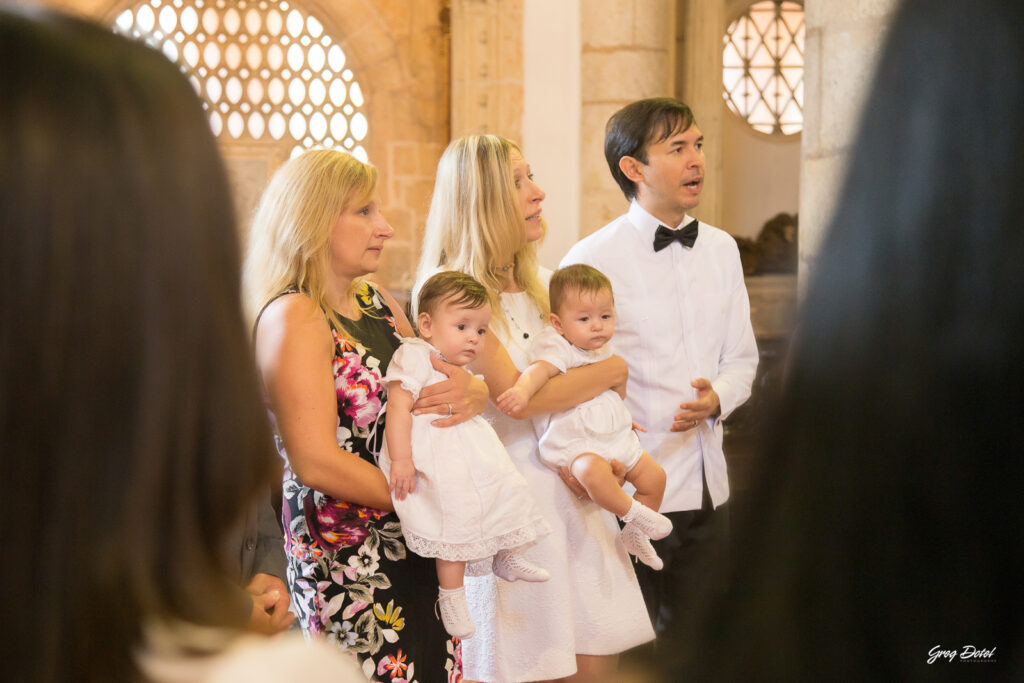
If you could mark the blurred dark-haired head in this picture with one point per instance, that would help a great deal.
(887, 520)
(131, 430)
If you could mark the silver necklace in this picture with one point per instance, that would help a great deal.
(511, 318)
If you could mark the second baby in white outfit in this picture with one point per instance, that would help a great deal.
(588, 437)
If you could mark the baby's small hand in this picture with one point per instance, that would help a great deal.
(403, 478)
(512, 401)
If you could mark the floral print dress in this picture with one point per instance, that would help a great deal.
(349, 573)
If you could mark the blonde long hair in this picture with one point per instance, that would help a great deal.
(475, 221)
(290, 239)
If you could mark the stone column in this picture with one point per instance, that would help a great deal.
(842, 44)
(487, 67)
(698, 82)
(627, 53)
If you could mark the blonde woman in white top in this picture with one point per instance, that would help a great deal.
(485, 219)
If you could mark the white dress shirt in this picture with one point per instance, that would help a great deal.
(681, 313)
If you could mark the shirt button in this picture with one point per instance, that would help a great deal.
(250, 544)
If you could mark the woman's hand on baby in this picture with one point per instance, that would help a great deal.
(403, 478)
(512, 401)
(456, 399)
(618, 470)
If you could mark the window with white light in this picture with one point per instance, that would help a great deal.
(263, 68)
(763, 66)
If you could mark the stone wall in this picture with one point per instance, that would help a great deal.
(843, 40)
(398, 51)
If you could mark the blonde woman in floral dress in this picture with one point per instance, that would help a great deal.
(324, 338)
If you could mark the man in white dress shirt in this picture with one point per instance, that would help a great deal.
(683, 327)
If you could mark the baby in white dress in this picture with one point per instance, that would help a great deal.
(588, 437)
(458, 495)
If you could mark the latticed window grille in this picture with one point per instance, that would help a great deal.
(763, 66)
(262, 68)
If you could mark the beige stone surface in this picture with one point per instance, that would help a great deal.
(820, 180)
(850, 58)
(487, 69)
(811, 134)
(624, 75)
(654, 23)
(844, 39)
(837, 12)
(605, 24)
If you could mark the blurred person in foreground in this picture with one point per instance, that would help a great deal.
(885, 539)
(132, 435)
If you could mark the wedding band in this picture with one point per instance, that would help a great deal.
(450, 411)
(694, 423)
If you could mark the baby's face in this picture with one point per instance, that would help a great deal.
(456, 331)
(586, 319)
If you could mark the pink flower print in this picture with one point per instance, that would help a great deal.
(358, 388)
(341, 524)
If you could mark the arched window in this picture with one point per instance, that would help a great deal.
(262, 68)
(763, 71)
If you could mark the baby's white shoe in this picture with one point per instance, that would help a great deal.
(654, 524)
(455, 613)
(512, 566)
(637, 543)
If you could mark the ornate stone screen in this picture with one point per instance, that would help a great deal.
(263, 68)
(763, 66)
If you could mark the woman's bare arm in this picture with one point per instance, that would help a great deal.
(294, 352)
(559, 393)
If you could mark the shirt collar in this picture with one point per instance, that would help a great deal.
(645, 223)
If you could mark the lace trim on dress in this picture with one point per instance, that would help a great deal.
(477, 550)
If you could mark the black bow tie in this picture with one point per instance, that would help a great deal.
(664, 236)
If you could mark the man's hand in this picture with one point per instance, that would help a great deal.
(512, 401)
(270, 613)
(403, 478)
(692, 413)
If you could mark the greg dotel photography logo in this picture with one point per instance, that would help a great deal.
(966, 653)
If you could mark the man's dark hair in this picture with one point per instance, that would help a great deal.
(631, 129)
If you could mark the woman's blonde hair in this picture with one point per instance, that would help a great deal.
(290, 238)
(475, 223)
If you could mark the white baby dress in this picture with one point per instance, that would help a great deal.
(470, 500)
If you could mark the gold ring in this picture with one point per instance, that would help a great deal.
(694, 423)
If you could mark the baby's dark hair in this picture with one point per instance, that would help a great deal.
(460, 288)
(579, 278)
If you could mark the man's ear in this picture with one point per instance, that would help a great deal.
(423, 324)
(632, 169)
(555, 323)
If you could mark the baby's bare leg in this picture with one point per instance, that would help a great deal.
(595, 474)
(450, 574)
(648, 478)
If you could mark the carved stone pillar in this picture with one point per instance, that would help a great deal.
(700, 27)
(487, 67)
(628, 53)
(842, 44)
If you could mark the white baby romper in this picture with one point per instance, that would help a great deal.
(601, 425)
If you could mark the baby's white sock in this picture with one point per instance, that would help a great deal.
(455, 612)
(637, 543)
(654, 524)
(512, 566)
